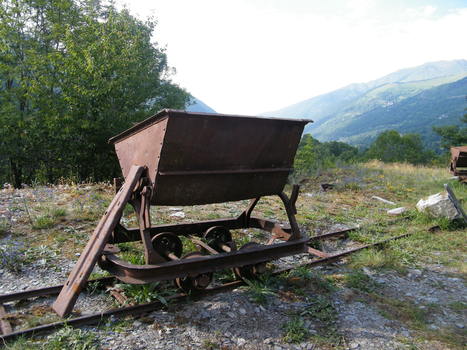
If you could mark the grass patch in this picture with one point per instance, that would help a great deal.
(259, 291)
(402, 310)
(416, 318)
(458, 306)
(144, 293)
(224, 276)
(188, 245)
(43, 222)
(4, 227)
(304, 277)
(58, 212)
(376, 259)
(136, 258)
(209, 344)
(295, 330)
(132, 252)
(65, 338)
(12, 257)
(321, 310)
(49, 219)
(361, 281)
(71, 338)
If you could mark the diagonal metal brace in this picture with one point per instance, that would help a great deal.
(88, 258)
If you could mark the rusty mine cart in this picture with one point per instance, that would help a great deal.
(177, 158)
(458, 166)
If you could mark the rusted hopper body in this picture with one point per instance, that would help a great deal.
(181, 158)
(195, 158)
(458, 166)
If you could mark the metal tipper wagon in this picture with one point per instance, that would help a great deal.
(179, 158)
(458, 166)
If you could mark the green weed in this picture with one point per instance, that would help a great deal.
(21, 344)
(321, 310)
(12, 257)
(136, 258)
(458, 306)
(377, 259)
(58, 212)
(132, 252)
(224, 276)
(71, 338)
(5, 226)
(402, 310)
(43, 222)
(188, 245)
(361, 281)
(313, 279)
(260, 290)
(209, 344)
(295, 330)
(144, 293)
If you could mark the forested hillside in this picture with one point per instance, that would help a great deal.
(442, 105)
(358, 112)
(74, 73)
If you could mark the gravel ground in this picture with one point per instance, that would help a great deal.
(233, 321)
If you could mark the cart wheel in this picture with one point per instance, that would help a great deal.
(167, 245)
(191, 284)
(250, 272)
(218, 236)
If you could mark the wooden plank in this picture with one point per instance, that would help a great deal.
(317, 252)
(88, 258)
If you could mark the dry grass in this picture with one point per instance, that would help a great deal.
(75, 210)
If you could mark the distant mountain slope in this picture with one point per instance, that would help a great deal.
(196, 105)
(441, 105)
(336, 113)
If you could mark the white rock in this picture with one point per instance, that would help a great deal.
(438, 205)
(242, 311)
(178, 214)
(383, 200)
(397, 211)
(241, 341)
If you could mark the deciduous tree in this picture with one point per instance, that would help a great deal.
(73, 73)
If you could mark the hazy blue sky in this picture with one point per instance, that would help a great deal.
(248, 57)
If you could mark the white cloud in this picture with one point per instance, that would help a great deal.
(250, 56)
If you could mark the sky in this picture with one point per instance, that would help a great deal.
(254, 56)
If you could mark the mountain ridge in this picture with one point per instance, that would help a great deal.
(334, 110)
(196, 105)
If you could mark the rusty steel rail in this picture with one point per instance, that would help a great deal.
(46, 291)
(155, 305)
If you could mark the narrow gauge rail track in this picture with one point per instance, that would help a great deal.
(8, 335)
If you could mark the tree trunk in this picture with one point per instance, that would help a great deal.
(17, 173)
